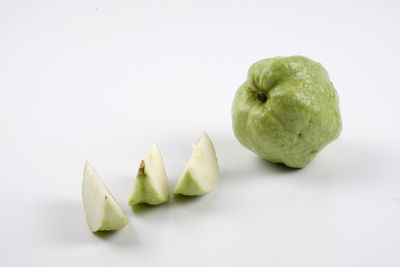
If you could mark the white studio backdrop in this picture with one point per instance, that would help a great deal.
(104, 80)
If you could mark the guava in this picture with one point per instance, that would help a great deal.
(151, 184)
(287, 110)
(201, 172)
(103, 212)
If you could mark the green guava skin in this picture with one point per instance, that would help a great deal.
(287, 110)
(144, 192)
(112, 220)
(189, 186)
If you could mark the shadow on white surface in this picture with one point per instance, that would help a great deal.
(175, 200)
(237, 162)
(341, 159)
(185, 200)
(143, 208)
(345, 160)
(177, 206)
(124, 238)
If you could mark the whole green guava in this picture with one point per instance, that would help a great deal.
(287, 110)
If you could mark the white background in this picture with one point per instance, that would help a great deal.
(104, 80)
